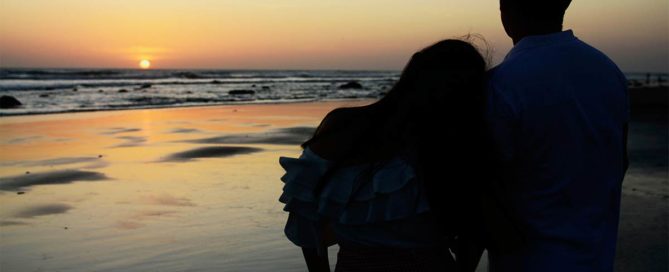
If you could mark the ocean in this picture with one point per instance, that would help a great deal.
(71, 90)
(42, 91)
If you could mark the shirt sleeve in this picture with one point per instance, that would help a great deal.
(304, 225)
(503, 122)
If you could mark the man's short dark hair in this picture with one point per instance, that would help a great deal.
(537, 10)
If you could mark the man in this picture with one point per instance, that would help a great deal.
(558, 111)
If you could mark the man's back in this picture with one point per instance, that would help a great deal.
(557, 111)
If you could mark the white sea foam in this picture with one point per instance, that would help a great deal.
(70, 90)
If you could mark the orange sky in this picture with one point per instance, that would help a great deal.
(296, 34)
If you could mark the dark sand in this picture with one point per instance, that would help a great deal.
(283, 136)
(210, 152)
(23, 182)
(643, 243)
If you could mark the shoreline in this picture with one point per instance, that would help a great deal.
(158, 107)
(643, 101)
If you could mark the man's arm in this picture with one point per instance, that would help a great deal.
(502, 225)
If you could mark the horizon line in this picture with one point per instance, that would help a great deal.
(201, 68)
(258, 69)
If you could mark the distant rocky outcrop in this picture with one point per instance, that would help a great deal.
(9, 102)
(351, 85)
(241, 92)
(189, 75)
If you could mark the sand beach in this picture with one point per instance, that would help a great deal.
(196, 188)
(181, 189)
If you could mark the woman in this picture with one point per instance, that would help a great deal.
(390, 182)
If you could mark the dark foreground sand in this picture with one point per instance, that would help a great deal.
(643, 237)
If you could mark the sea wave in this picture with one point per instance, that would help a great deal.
(73, 90)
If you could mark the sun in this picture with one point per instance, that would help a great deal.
(145, 64)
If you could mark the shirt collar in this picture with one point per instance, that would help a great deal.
(539, 41)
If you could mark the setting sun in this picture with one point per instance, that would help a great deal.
(145, 64)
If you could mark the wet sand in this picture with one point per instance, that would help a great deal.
(151, 190)
(195, 189)
(643, 240)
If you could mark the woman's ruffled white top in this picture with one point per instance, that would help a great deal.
(384, 211)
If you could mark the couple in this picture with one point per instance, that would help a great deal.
(525, 160)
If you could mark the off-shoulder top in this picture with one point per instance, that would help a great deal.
(390, 210)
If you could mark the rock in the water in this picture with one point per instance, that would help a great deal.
(265, 87)
(216, 82)
(44, 95)
(9, 102)
(122, 91)
(188, 75)
(351, 85)
(145, 86)
(241, 92)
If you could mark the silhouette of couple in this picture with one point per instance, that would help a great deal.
(525, 160)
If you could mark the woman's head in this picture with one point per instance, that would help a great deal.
(439, 76)
(440, 104)
(441, 82)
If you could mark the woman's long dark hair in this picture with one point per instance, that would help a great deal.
(433, 117)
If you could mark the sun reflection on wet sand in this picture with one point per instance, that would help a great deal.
(178, 189)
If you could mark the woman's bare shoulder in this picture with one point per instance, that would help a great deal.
(337, 129)
(340, 117)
